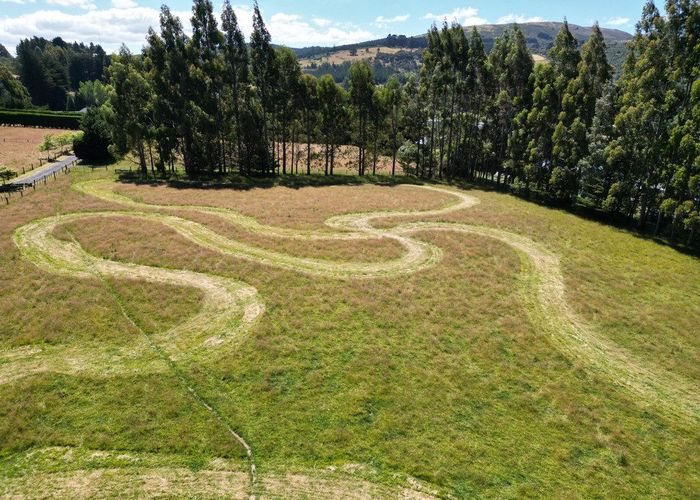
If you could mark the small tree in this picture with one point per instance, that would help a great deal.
(6, 174)
(47, 145)
(93, 144)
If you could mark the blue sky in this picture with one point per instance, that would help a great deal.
(295, 23)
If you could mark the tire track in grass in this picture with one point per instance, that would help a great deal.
(225, 299)
(175, 370)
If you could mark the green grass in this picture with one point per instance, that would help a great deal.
(442, 375)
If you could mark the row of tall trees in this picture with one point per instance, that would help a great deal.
(219, 104)
(562, 130)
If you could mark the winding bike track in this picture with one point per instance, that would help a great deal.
(229, 307)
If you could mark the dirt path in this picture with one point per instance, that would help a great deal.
(229, 307)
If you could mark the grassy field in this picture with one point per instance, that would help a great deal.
(485, 347)
(19, 146)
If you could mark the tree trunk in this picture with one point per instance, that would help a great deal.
(332, 157)
(142, 160)
(308, 152)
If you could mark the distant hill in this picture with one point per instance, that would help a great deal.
(4, 52)
(400, 54)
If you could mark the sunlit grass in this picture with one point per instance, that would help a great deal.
(438, 375)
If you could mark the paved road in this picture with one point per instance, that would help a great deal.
(42, 172)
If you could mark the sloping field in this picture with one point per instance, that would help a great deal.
(346, 341)
(18, 146)
(341, 56)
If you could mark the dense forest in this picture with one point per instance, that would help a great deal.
(50, 73)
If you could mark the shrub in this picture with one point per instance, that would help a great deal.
(93, 145)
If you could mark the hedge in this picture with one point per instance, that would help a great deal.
(40, 118)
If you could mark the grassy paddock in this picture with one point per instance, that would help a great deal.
(19, 146)
(435, 378)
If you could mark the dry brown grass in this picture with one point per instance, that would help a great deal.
(18, 146)
(113, 239)
(305, 208)
(346, 160)
(341, 56)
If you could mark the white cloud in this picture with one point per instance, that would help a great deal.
(124, 4)
(129, 25)
(293, 30)
(618, 21)
(384, 22)
(466, 16)
(108, 27)
(519, 19)
(79, 4)
(319, 21)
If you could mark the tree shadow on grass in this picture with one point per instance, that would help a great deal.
(244, 183)
(619, 222)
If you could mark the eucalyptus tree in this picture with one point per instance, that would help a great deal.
(431, 87)
(265, 75)
(377, 120)
(333, 117)
(478, 78)
(236, 75)
(131, 102)
(642, 121)
(576, 117)
(565, 58)
(413, 122)
(540, 123)
(162, 53)
(205, 86)
(310, 105)
(393, 102)
(288, 94)
(361, 85)
(596, 174)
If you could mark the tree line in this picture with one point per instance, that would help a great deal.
(561, 131)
